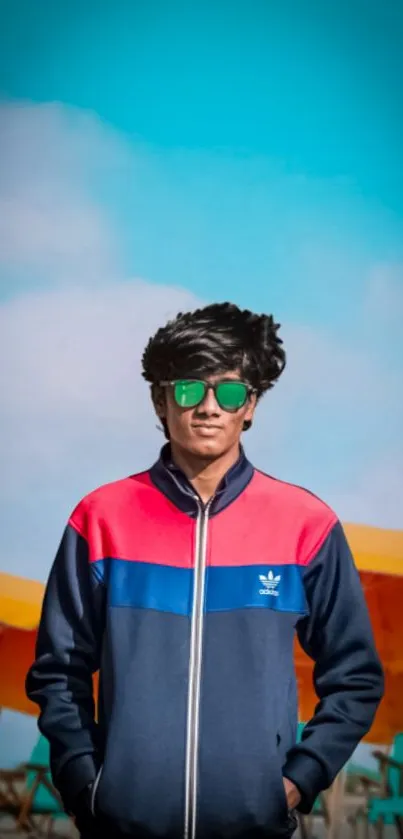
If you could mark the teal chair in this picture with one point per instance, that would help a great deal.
(384, 793)
(28, 797)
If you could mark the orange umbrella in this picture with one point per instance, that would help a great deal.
(379, 558)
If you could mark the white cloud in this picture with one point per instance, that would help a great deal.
(385, 292)
(376, 494)
(334, 424)
(72, 376)
(76, 412)
(49, 225)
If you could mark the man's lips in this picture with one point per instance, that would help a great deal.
(203, 426)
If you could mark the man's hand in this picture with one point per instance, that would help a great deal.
(292, 794)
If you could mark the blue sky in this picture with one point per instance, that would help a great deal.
(266, 127)
(155, 155)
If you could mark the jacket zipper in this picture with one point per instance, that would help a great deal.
(195, 662)
(95, 790)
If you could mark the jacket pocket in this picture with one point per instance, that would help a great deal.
(280, 760)
(290, 818)
(289, 821)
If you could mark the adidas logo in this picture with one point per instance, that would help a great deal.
(270, 584)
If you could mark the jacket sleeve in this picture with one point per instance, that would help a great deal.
(348, 675)
(67, 655)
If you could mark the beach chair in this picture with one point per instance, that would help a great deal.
(384, 795)
(28, 797)
(359, 777)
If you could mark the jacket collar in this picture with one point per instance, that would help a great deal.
(170, 480)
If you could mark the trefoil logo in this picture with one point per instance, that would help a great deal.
(270, 584)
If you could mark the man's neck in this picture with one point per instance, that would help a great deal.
(205, 475)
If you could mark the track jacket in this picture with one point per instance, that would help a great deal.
(189, 613)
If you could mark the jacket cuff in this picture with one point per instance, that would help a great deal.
(308, 776)
(78, 773)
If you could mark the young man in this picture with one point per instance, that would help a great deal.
(184, 586)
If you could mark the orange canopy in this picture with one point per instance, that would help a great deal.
(378, 555)
(379, 558)
(20, 607)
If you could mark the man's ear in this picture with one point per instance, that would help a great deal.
(251, 409)
(158, 398)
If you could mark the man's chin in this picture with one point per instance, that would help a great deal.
(207, 448)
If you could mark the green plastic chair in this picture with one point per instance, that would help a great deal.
(28, 795)
(46, 799)
(387, 807)
(384, 793)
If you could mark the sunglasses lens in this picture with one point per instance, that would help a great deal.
(188, 393)
(231, 395)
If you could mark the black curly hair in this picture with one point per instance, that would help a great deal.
(213, 340)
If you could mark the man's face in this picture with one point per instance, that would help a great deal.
(207, 430)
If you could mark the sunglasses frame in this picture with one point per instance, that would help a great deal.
(249, 390)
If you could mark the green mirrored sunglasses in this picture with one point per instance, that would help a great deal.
(230, 394)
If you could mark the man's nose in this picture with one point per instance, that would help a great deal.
(209, 405)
